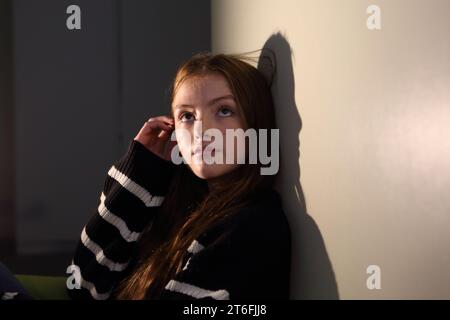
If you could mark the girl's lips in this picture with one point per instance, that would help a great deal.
(197, 150)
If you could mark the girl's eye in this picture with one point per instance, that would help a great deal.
(225, 112)
(186, 117)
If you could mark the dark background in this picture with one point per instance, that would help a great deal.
(70, 102)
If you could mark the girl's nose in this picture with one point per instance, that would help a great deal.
(200, 129)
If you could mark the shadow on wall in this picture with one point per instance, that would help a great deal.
(312, 275)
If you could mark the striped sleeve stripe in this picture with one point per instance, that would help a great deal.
(194, 248)
(187, 264)
(93, 291)
(196, 292)
(148, 199)
(91, 288)
(99, 255)
(116, 221)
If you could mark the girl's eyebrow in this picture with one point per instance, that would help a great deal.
(213, 101)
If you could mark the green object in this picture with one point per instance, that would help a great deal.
(44, 287)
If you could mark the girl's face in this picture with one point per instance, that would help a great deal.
(203, 103)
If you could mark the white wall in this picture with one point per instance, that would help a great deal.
(365, 123)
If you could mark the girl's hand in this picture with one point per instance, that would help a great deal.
(155, 136)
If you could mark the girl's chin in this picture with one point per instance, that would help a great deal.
(210, 171)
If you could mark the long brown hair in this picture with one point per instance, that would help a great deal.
(190, 208)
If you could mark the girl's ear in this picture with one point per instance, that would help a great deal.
(267, 65)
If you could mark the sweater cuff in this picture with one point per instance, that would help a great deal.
(146, 168)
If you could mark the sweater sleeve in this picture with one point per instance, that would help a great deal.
(252, 262)
(133, 191)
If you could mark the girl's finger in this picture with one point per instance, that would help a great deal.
(157, 124)
(165, 119)
(161, 140)
(164, 134)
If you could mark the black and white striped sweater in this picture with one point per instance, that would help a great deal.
(252, 263)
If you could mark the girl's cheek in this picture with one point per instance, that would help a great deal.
(183, 137)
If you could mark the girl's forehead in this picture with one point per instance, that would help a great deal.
(201, 89)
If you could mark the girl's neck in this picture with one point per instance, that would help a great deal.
(216, 182)
(213, 184)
